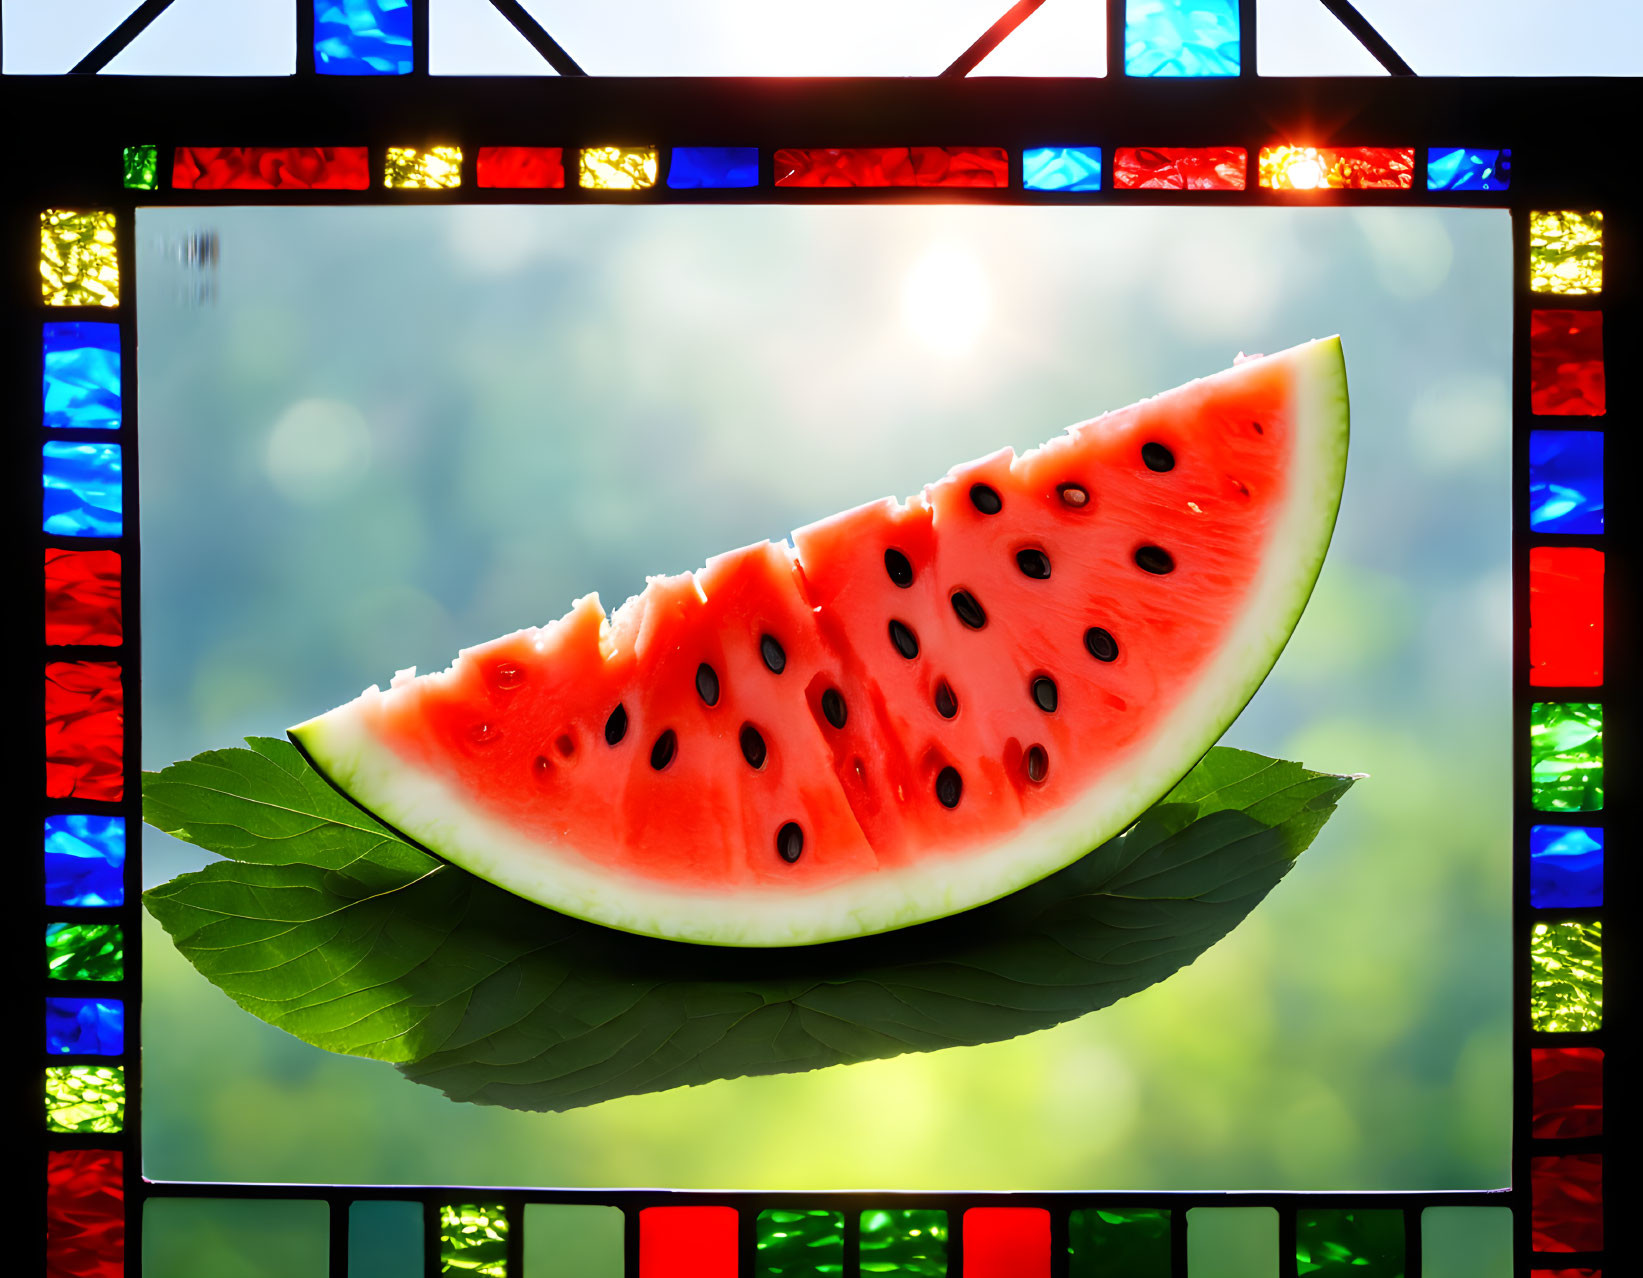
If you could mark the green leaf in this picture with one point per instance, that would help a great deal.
(266, 804)
(327, 925)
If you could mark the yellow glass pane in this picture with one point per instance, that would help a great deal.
(617, 168)
(1566, 252)
(434, 167)
(78, 262)
(473, 1239)
(85, 1098)
(1330, 168)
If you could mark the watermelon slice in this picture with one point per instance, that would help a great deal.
(916, 708)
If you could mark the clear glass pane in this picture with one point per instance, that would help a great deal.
(755, 37)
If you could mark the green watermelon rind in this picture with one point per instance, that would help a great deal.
(406, 798)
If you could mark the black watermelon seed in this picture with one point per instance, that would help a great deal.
(1154, 559)
(946, 702)
(661, 754)
(775, 656)
(1038, 764)
(1157, 457)
(833, 707)
(949, 787)
(707, 684)
(1033, 563)
(969, 611)
(752, 746)
(1045, 694)
(616, 727)
(899, 567)
(1073, 494)
(1102, 646)
(985, 498)
(902, 636)
(789, 842)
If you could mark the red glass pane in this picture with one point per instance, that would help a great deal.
(271, 168)
(519, 167)
(85, 730)
(1568, 1092)
(1566, 1202)
(1566, 363)
(987, 166)
(1565, 617)
(83, 596)
(1180, 168)
(1007, 1242)
(85, 1214)
(687, 1242)
(1565, 1273)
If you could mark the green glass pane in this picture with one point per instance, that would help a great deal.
(235, 1238)
(1134, 1243)
(570, 1240)
(1566, 961)
(142, 167)
(1349, 1244)
(1232, 1242)
(1466, 1242)
(85, 1098)
(384, 1239)
(473, 1239)
(800, 1244)
(910, 1243)
(1566, 756)
(85, 952)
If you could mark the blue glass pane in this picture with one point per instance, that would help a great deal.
(1061, 168)
(362, 37)
(85, 860)
(82, 375)
(82, 489)
(85, 1026)
(1566, 481)
(1460, 168)
(697, 167)
(1181, 37)
(1565, 866)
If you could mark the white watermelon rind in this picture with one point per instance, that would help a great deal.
(341, 746)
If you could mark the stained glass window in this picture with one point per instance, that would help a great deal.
(697, 168)
(79, 260)
(1061, 168)
(362, 37)
(85, 952)
(86, 219)
(1566, 252)
(81, 383)
(85, 860)
(1460, 168)
(83, 494)
(1566, 481)
(1182, 38)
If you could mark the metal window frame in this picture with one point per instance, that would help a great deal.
(1568, 151)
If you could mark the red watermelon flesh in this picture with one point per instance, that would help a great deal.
(1088, 619)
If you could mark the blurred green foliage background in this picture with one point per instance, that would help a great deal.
(373, 436)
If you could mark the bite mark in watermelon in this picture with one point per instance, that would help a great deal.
(916, 708)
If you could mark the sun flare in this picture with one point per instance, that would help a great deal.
(946, 300)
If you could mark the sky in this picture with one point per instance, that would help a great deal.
(841, 37)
